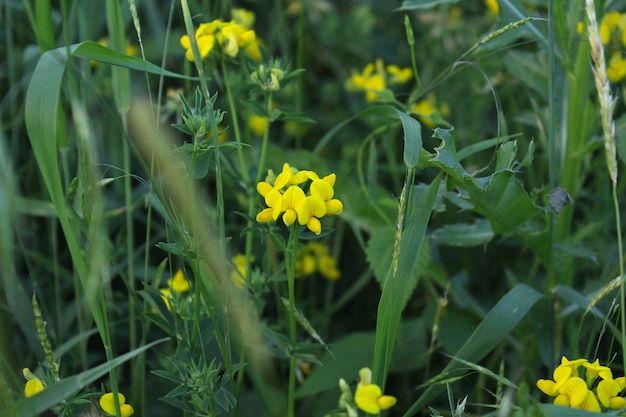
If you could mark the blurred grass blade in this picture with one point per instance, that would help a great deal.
(423, 4)
(496, 325)
(54, 394)
(398, 287)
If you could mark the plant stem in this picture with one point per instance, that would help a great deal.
(291, 281)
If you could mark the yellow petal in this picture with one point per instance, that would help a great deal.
(333, 207)
(289, 217)
(107, 402)
(32, 387)
(265, 216)
(547, 387)
(314, 225)
(322, 189)
(366, 398)
(387, 401)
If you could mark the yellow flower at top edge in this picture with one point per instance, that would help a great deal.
(493, 7)
(368, 397)
(179, 283)
(231, 36)
(107, 403)
(613, 26)
(370, 81)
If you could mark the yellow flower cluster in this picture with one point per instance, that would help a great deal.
(373, 80)
(613, 32)
(107, 403)
(369, 397)
(179, 284)
(585, 385)
(230, 36)
(284, 195)
(315, 256)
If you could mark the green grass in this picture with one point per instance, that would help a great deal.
(461, 282)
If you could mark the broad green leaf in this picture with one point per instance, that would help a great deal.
(464, 234)
(344, 360)
(398, 286)
(494, 328)
(506, 203)
(423, 4)
(60, 391)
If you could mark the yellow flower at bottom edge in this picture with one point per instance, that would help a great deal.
(107, 403)
(369, 398)
(32, 387)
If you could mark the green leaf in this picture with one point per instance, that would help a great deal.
(505, 156)
(379, 252)
(494, 328)
(399, 285)
(93, 51)
(344, 360)
(60, 391)
(464, 234)
(423, 4)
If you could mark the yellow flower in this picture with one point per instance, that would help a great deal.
(239, 276)
(424, 109)
(616, 71)
(493, 6)
(315, 257)
(399, 75)
(369, 397)
(571, 390)
(32, 387)
(369, 81)
(293, 203)
(230, 36)
(613, 26)
(107, 403)
(166, 296)
(257, 124)
(243, 17)
(179, 283)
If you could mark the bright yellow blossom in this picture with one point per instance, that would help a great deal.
(230, 36)
(424, 109)
(293, 203)
(369, 397)
(257, 124)
(399, 75)
(107, 403)
(585, 385)
(33, 384)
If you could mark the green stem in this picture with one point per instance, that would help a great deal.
(235, 119)
(620, 250)
(291, 281)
